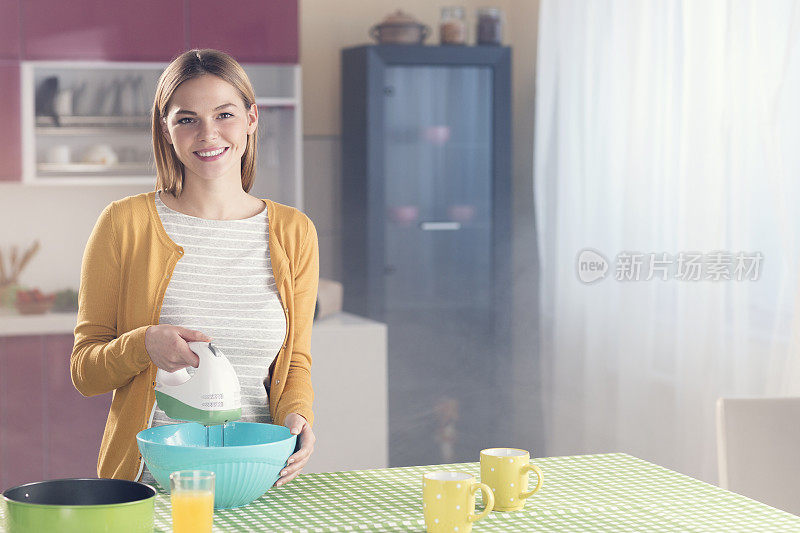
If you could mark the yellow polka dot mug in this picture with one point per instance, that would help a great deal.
(448, 501)
(506, 471)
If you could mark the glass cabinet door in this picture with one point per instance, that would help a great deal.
(438, 186)
(437, 150)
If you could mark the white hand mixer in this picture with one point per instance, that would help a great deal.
(211, 396)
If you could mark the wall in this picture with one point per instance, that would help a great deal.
(61, 217)
(526, 377)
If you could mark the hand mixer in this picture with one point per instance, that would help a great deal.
(211, 396)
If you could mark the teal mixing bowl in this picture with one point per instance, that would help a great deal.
(246, 466)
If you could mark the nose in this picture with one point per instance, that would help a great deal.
(207, 131)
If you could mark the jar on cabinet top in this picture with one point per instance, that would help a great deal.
(452, 27)
(489, 28)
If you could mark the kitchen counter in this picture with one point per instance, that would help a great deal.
(12, 323)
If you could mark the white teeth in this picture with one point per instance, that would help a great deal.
(211, 153)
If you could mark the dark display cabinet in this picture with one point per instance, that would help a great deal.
(426, 173)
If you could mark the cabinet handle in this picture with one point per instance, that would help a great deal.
(440, 226)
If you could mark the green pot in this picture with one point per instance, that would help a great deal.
(80, 505)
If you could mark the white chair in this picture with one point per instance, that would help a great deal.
(758, 448)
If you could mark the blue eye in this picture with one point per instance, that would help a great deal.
(181, 121)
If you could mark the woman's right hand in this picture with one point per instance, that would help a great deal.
(168, 349)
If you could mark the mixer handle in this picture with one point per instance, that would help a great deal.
(205, 351)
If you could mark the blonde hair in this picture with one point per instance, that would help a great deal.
(189, 65)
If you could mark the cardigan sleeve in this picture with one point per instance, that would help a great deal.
(298, 394)
(101, 360)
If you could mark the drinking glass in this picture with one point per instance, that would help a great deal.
(192, 497)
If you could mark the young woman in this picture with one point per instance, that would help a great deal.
(198, 258)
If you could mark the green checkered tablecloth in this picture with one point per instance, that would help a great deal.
(583, 493)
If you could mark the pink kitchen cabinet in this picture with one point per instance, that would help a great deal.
(9, 29)
(75, 423)
(145, 30)
(258, 31)
(22, 412)
(49, 430)
(10, 133)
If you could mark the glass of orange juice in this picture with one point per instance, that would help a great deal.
(192, 496)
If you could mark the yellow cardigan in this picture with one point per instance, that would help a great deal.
(126, 268)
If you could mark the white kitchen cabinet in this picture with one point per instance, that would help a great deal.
(350, 394)
(94, 127)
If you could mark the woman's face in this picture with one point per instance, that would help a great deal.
(207, 125)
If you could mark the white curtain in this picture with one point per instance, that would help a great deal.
(662, 128)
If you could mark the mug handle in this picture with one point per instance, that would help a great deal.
(532, 468)
(488, 495)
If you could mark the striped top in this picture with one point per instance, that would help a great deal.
(224, 286)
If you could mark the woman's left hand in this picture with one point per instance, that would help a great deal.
(305, 436)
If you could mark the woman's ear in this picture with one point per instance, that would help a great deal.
(252, 119)
(165, 130)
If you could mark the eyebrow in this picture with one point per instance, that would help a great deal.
(187, 112)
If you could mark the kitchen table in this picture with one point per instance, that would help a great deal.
(606, 492)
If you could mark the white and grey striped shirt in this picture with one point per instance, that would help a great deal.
(224, 286)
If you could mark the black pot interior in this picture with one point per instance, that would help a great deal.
(80, 492)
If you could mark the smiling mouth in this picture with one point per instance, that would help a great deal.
(211, 155)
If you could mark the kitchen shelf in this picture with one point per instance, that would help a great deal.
(89, 131)
(110, 106)
(276, 102)
(45, 123)
(93, 168)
